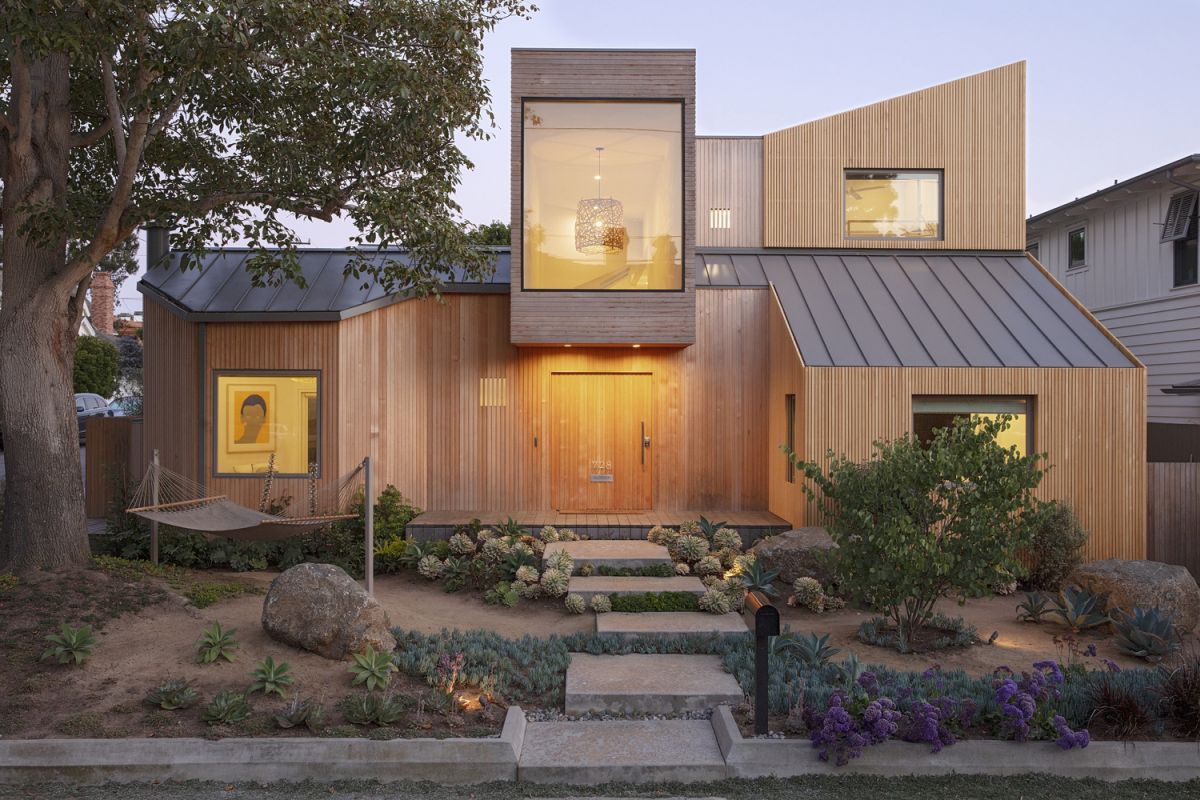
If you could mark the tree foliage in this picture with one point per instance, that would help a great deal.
(493, 234)
(97, 366)
(916, 523)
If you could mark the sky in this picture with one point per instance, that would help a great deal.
(1111, 89)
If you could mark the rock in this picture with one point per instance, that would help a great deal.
(318, 607)
(1144, 584)
(796, 554)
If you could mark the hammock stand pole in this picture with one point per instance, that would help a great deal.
(154, 501)
(369, 514)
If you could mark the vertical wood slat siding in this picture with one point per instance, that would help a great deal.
(1090, 422)
(787, 377)
(973, 128)
(170, 366)
(1173, 497)
(729, 174)
(605, 317)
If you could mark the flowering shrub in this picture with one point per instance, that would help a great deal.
(1025, 702)
(1067, 738)
(843, 735)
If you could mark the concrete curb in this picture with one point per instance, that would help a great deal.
(84, 761)
(1110, 761)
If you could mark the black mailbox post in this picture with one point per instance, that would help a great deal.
(766, 625)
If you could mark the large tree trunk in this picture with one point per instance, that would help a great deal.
(44, 525)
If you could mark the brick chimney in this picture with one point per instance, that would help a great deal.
(103, 296)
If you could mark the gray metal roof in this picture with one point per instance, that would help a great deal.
(220, 289)
(873, 308)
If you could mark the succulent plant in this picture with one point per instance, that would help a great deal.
(689, 548)
(555, 582)
(727, 539)
(372, 709)
(70, 645)
(715, 601)
(173, 695)
(216, 643)
(455, 572)
(1033, 608)
(527, 591)
(575, 604)
(585, 570)
(812, 651)
(299, 712)
(690, 528)
(1081, 609)
(431, 567)
(502, 594)
(461, 544)
(494, 550)
(373, 668)
(757, 578)
(548, 534)
(708, 528)
(682, 569)
(560, 560)
(601, 603)
(270, 678)
(1148, 634)
(808, 593)
(523, 549)
(527, 574)
(510, 527)
(662, 536)
(226, 708)
(709, 565)
(567, 535)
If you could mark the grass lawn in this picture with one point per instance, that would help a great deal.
(959, 787)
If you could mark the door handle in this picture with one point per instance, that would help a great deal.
(645, 443)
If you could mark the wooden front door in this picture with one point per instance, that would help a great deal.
(600, 450)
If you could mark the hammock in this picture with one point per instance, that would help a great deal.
(217, 515)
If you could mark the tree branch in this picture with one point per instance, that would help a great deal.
(94, 135)
(114, 108)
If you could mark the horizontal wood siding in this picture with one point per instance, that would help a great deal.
(1090, 422)
(973, 128)
(1173, 497)
(619, 317)
(729, 175)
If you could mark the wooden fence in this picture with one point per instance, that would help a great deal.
(1173, 506)
(114, 464)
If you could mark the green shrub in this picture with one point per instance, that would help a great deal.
(955, 632)
(917, 522)
(656, 601)
(205, 593)
(70, 645)
(1055, 546)
(97, 366)
(8, 583)
(648, 571)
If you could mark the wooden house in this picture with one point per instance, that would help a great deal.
(673, 309)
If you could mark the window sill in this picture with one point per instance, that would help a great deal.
(1077, 270)
(1187, 288)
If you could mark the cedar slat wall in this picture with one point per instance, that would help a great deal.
(973, 128)
(170, 366)
(605, 317)
(787, 377)
(729, 174)
(1173, 496)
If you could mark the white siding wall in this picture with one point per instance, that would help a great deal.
(1127, 284)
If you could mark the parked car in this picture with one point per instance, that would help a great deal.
(90, 405)
(126, 406)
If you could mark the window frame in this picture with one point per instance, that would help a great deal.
(1071, 231)
(1030, 402)
(214, 399)
(1034, 249)
(683, 179)
(1180, 243)
(941, 237)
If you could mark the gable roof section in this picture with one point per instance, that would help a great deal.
(872, 308)
(221, 290)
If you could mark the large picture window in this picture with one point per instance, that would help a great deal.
(258, 414)
(933, 412)
(900, 204)
(602, 193)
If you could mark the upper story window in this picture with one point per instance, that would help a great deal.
(1076, 248)
(1034, 249)
(260, 414)
(1180, 229)
(602, 193)
(885, 204)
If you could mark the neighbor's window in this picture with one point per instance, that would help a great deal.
(1180, 229)
(1077, 248)
(602, 192)
(903, 204)
(261, 413)
(1034, 249)
(933, 412)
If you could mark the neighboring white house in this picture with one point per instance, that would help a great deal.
(1129, 253)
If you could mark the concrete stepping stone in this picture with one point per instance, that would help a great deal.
(625, 751)
(625, 553)
(641, 683)
(666, 623)
(601, 584)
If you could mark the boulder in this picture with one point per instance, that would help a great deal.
(318, 607)
(796, 554)
(1144, 584)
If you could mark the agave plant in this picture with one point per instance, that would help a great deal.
(299, 712)
(1081, 609)
(173, 695)
(1033, 608)
(510, 527)
(226, 708)
(372, 709)
(710, 528)
(455, 573)
(1148, 634)
(271, 678)
(216, 643)
(811, 650)
(374, 668)
(514, 560)
(757, 578)
(70, 645)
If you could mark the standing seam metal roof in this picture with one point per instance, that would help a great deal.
(877, 308)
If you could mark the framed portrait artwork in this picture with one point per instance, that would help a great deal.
(250, 418)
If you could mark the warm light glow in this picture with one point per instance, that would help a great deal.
(566, 345)
(258, 415)
(902, 204)
(469, 701)
(636, 346)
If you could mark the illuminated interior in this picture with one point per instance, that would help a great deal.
(603, 195)
(931, 413)
(261, 414)
(904, 204)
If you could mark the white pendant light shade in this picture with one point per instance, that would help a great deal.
(600, 225)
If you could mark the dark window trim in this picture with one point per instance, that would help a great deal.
(941, 237)
(789, 406)
(1030, 409)
(1036, 244)
(1077, 229)
(266, 373)
(683, 265)
(1179, 248)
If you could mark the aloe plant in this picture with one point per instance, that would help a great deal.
(1033, 608)
(757, 578)
(226, 708)
(216, 643)
(70, 645)
(1148, 634)
(1081, 609)
(373, 668)
(173, 695)
(372, 709)
(271, 678)
(811, 650)
(299, 712)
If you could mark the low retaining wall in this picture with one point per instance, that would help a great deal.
(265, 760)
(1112, 761)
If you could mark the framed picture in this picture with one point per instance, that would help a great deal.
(251, 416)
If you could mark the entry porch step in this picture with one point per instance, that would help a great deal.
(641, 683)
(667, 623)
(624, 751)
(601, 584)
(620, 553)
